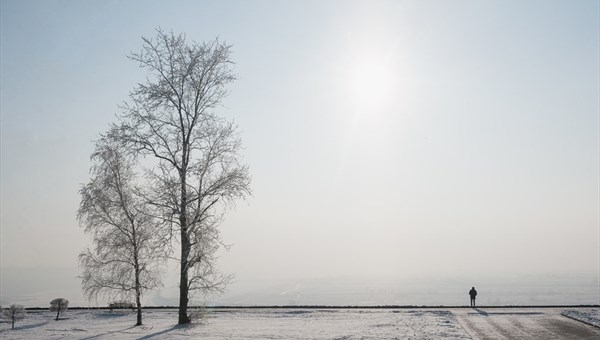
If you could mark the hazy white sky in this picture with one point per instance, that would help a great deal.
(388, 139)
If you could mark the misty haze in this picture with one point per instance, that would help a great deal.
(300, 169)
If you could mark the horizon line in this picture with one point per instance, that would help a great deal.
(335, 307)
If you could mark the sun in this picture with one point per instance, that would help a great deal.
(371, 82)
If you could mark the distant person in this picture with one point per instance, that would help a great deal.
(473, 294)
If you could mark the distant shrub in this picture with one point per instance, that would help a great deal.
(14, 312)
(121, 305)
(59, 305)
(198, 314)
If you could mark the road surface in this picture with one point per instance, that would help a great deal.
(518, 323)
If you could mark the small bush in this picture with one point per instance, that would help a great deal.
(198, 314)
(122, 304)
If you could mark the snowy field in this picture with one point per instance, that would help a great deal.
(244, 324)
(462, 323)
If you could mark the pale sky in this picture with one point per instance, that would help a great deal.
(384, 138)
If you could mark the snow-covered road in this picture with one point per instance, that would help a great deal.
(519, 323)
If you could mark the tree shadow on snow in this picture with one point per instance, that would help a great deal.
(166, 331)
(107, 333)
(31, 326)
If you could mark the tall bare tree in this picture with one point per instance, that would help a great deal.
(128, 247)
(198, 171)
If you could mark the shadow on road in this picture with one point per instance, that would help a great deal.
(484, 313)
(480, 312)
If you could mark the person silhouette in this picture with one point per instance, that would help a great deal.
(473, 294)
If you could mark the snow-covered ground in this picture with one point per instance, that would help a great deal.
(459, 323)
(589, 316)
(243, 324)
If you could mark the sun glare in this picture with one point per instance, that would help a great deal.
(371, 82)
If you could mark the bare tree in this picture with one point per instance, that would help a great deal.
(59, 305)
(14, 312)
(129, 249)
(197, 173)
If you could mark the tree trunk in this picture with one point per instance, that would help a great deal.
(13, 322)
(185, 251)
(183, 288)
(139, 310)
(57, 311)
(136, 268)
(138, 300)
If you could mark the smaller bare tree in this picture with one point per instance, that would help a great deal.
(128, 248)
(59, 305)
(14, 312)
